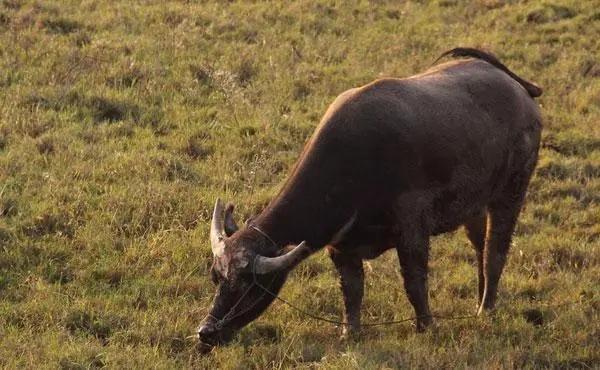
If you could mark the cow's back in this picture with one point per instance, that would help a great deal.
(449, 138)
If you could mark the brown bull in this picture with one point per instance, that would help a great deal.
(391, 164)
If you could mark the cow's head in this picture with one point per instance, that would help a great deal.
(241, 260)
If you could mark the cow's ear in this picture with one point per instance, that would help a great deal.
(230, 225)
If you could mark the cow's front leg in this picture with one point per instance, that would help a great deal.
(413, 254)
(352, 276)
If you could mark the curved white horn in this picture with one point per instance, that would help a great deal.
(217, 229)
(265, 265)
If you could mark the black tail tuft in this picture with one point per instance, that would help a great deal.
(533, 90)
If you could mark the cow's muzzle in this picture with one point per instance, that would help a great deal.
(211, 333)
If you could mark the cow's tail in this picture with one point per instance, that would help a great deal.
(533, 90)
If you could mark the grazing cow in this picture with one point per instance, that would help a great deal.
(391, 164)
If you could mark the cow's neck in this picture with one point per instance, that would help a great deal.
(295, 216)
(315, 202)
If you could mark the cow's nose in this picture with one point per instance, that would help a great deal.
(206, 331)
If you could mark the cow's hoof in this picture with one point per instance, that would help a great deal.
(423, 324)
(350, 334)
(486, 311)
(347, 337)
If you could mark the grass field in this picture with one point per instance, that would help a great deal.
(121, 121)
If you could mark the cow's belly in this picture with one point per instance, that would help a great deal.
(452, 208)
(365, 251)
(445, 209)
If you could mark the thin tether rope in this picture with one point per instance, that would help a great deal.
(336, 322)
(230, 316)
(331, 321)
(263, 234)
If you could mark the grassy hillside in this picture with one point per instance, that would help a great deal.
(121, 121)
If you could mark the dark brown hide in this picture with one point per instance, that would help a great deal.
(410, 158)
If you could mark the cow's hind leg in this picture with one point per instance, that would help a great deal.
(413, 253)
(476, 229)
(350, 268)
(502, 219)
